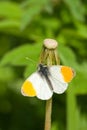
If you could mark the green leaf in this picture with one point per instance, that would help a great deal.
(80, 79)
(28, 15)
(30, 69)
(16, 85)
(67, 56)
(9, 24)
(79, 83)
(6, 74)
(10, 10)
(10, 16)
(81, 29)
(31, 9)
(18, 55)
(76, 8)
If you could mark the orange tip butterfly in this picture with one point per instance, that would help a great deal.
(47, 80)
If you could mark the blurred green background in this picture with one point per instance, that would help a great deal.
(24, 24)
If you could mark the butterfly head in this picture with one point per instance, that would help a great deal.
(43, 69)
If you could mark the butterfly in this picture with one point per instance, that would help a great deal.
(47, 80)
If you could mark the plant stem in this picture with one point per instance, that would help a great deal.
(48, 114)
(48, 57)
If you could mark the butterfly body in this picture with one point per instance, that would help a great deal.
(44, 72)
(47, 80)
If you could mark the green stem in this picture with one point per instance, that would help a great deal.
(48, 57)
(48, 114)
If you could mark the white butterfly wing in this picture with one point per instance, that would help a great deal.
(58, 86)
(63, 73)
(56, 78)
(37, 86)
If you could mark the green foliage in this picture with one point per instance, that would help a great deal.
(31, 8)
(10, 14)
(24, 24)
(18, 55)
(10, 10)
(77, 9)
(6, 74)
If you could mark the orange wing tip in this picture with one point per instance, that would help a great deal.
(68, 73)
(28, 89)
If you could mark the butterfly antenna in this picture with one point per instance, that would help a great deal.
(27, 58)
